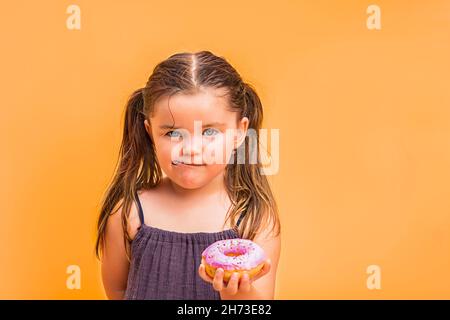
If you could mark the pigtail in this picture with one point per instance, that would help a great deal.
(253, 106)
(137, 167)
(249, 189)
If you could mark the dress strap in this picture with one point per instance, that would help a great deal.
(140, 211)
(240, 219)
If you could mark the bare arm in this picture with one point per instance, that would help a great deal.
(115, 264)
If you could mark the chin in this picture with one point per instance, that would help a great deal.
(187, 179)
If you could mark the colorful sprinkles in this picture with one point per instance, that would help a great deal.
(232, 254)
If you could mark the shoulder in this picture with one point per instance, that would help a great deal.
(269, 228)
(114, 224)
(154, 199)
(148, 198)
(269, 237)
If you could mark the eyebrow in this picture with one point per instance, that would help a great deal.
(212, 124)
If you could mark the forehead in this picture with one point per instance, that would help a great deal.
(181, 110)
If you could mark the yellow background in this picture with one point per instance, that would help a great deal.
(364, 119)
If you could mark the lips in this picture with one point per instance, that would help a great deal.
(177, 162)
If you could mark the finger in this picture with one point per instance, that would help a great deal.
(244, 285)
(202, 273)
(265, 270)
(232, 286)
(218, 280)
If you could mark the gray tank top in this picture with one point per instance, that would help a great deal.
(164, 264)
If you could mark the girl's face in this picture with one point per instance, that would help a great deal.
(195, 135)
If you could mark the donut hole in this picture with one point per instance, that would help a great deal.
(233, 253)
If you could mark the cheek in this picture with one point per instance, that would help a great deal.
(163, 150)
(218, 150)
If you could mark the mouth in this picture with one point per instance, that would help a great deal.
(180, 163)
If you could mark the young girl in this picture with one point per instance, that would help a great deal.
(167, 203)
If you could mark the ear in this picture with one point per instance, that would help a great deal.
(148, 128)
(241, 132)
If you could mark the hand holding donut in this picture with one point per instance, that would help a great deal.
(232, 265)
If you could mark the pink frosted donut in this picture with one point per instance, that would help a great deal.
(233, 255)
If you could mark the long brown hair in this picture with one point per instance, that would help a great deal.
(138, 167)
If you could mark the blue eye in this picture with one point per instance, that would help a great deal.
(176, 134)
(211, 132)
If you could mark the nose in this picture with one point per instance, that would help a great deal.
(193, 148)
